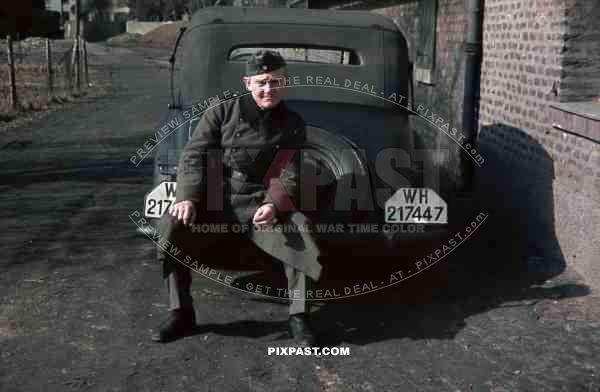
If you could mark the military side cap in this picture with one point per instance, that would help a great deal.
(264, 61)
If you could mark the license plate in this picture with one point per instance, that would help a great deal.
(416, 205)
(158, 201)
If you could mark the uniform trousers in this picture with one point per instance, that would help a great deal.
(178, 284)
(201, 247)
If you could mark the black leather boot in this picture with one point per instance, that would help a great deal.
(181, 323)
(300, 330)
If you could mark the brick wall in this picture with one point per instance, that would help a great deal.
(542, 181)
(443, 98)
(581, 51)
(521, 66)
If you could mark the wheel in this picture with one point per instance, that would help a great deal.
(330, 166)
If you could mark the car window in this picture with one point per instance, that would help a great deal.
(303, 54)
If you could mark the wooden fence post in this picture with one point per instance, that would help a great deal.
(49, 69)
(77, 49)
(81, 59)
(78, 65)
(79, 75)
(11, 74)
(75, 62)
(20, 49)
(85, 64)
(67, 72)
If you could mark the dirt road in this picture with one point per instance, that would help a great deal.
(80, 290)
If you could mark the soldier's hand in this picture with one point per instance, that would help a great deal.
(184, 211)
(264, 215)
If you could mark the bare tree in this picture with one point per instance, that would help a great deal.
(165, 9)
(99, 8)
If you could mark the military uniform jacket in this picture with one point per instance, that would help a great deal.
(258, 153)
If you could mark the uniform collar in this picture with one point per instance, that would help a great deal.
(252, 112)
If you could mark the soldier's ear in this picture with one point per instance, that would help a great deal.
(246, 80)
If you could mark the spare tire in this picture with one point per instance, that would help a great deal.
(335, 181)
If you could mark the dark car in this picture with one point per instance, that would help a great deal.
(349, 80)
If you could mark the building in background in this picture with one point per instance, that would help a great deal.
(22, 19)
(111, 10)
(54, 5)
(100, 19)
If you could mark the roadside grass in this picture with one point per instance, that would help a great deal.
(32, 89)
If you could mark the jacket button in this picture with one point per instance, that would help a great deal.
(240, 119)
(238, 134)
(234, 149)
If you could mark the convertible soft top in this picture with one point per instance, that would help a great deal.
(257, 15)
(378, 68)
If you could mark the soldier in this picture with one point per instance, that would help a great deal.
(260, 140)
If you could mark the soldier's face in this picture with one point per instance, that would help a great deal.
(267, 89)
